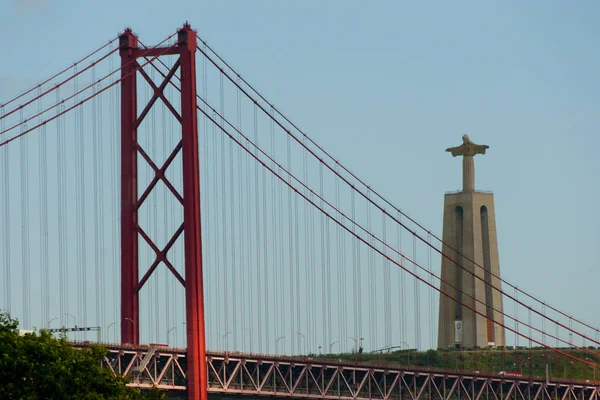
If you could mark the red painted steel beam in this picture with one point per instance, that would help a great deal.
(155, 52)
(129, 240)
(194, 295)
(130, 231)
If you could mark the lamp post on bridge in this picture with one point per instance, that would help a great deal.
(249, 333)
(74, 322)
(357, 348)
(169, 331)
(224, 340)
(331, 345)
(304, 338)
(130, 320)
(277, 342)
(108, 327)
(49, 322)
(408, 352)
(74, 319)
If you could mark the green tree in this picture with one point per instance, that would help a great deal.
(38, 366)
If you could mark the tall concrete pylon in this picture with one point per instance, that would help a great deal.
(470, 240)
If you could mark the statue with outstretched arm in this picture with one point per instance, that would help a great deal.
(467, 150)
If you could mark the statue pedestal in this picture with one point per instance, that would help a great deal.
(470, 229)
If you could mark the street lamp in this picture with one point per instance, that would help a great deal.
(303, 337)
(331, 345)
(223, 339)
(109, 325)
(320, 352)
(169, 331)
(356, 342)
(276, 342)
(250, 333)
(49, 322)
(132, 321)
(74, 319)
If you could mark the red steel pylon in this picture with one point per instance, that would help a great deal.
(130, 202)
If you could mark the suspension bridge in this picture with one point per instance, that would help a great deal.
(152, 192)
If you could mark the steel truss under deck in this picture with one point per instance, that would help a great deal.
(302, 378)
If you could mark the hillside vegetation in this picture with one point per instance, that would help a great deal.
(529, 362)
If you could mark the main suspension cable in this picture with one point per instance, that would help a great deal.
(398, 210)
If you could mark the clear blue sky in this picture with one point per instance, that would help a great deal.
(387, 86)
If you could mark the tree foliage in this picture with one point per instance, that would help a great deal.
(38, 366)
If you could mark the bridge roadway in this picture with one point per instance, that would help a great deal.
(232, 374)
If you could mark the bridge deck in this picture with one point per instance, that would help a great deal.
(303, 378)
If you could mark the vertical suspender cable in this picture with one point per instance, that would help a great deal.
(338, 262)
(101, 320)
(282, 264)
(279, 329)
(516, 318)
(6, 221)
(293, 296)
(297, 277)
(96, 170)
(114, 206)
(240, 219)
(530, 333)
(257, 268)
(208, 263)
(249, 298)
(417, 299)
(401, 293)
(80, 199)
(232, 223)
(313, 274)
(326, 342)
(152, 206)
(166, 231)
(148, 289)
(544, 324)
(371, 267)
(25, 226)
(43, 187)
(265, 259)
(176, 293)
(60, 154)
(225, 315)
(307, 259)
(432, 330)
(328, 283)
(570, 326)
(386, 287)
(219, 309)
(355, 271)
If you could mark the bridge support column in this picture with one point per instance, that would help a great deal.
(129, 191)
(131, 232)
(194, 295)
